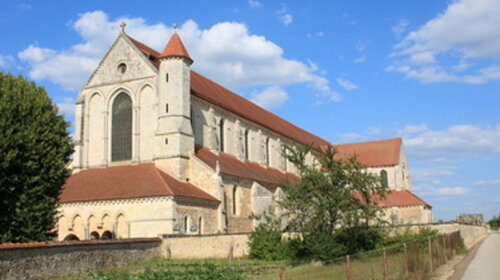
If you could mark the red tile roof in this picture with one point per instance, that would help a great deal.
(373, 153)
(129, 181)
(230, 165)
(175, 47)
(396, 198)
(216, 94)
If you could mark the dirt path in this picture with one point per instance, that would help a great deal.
(486, 263)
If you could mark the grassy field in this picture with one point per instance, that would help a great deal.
(362, 267)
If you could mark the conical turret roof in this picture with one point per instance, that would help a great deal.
(175, 48)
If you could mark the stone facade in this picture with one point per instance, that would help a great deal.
(168, 124)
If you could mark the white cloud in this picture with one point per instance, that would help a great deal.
(286, 19)
(467, 31)
(226, 52)
(67, 107)
(450, 191)
(271, 97)
(254, 4)
(454, 141)
(284, 16)
(360, 59)
(6, 61)
(432, 175)
(487, 182)
(400, 27)
(412, 129)
(346, 84)
(444, 191)
(316, 34)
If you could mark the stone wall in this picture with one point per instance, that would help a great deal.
(55, 259)
(470, 233)
(205, 246)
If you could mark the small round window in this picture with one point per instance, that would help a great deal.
(122, 68)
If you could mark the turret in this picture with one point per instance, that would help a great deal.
(175, 141)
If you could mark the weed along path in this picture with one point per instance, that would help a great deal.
(486, 263)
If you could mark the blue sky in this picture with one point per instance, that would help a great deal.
(427, 71)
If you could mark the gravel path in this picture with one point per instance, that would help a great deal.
(486, 263)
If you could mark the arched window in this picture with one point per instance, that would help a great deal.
(107, 235)
(383, 178)
(71, 237)
(235, 200)
(221, 135)
(121, 128)
(247, 150)
(267, 152)
(94, 235)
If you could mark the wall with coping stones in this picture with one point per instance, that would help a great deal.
(205, 246)
(470, 233)
(56, 259)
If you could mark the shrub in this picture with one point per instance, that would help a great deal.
(266, 243)
(359, 239)
(407, 236)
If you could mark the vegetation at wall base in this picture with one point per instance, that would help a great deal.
(35, 148)
(495, 222)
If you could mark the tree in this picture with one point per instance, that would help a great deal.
(35, 148)
(332, 193)
(495, 222)
(334, 205)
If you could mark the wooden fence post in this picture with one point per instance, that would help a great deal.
(348, 267)
(429, 244)
(405, 248)
(384, 264)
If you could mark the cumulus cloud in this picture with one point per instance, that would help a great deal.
(6, 61)
(432, 175)
(226, 52)
(443, 191)
(435, 53)
(271, 97)
(346, 84)
(453, 141)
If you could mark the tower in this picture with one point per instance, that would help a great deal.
(174, 136)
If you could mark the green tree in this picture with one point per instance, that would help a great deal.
(495, 222)
(35, 148)
(334, 205)
(333, 192)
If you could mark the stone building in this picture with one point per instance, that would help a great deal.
(161, 149)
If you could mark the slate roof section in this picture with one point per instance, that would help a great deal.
(230, 165)
(373, 153)
(218, 95)
(125, 182)
(175, 48)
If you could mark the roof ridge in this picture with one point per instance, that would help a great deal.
(371, 141)
(167, 187)
(417, 197)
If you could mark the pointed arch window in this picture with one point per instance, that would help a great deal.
(121, 128)
(235, 200)
(383, 178)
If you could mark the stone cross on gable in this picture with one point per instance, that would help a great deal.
(122, 26)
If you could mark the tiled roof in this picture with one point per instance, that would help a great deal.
(373, 153)
(175, 47)
(216, 94)
(230, 165)
(395, 198)
(128, 181)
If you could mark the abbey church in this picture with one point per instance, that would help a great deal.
(161, 149)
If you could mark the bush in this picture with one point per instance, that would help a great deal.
(408, 236)
(266, 243)
(359, 239)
